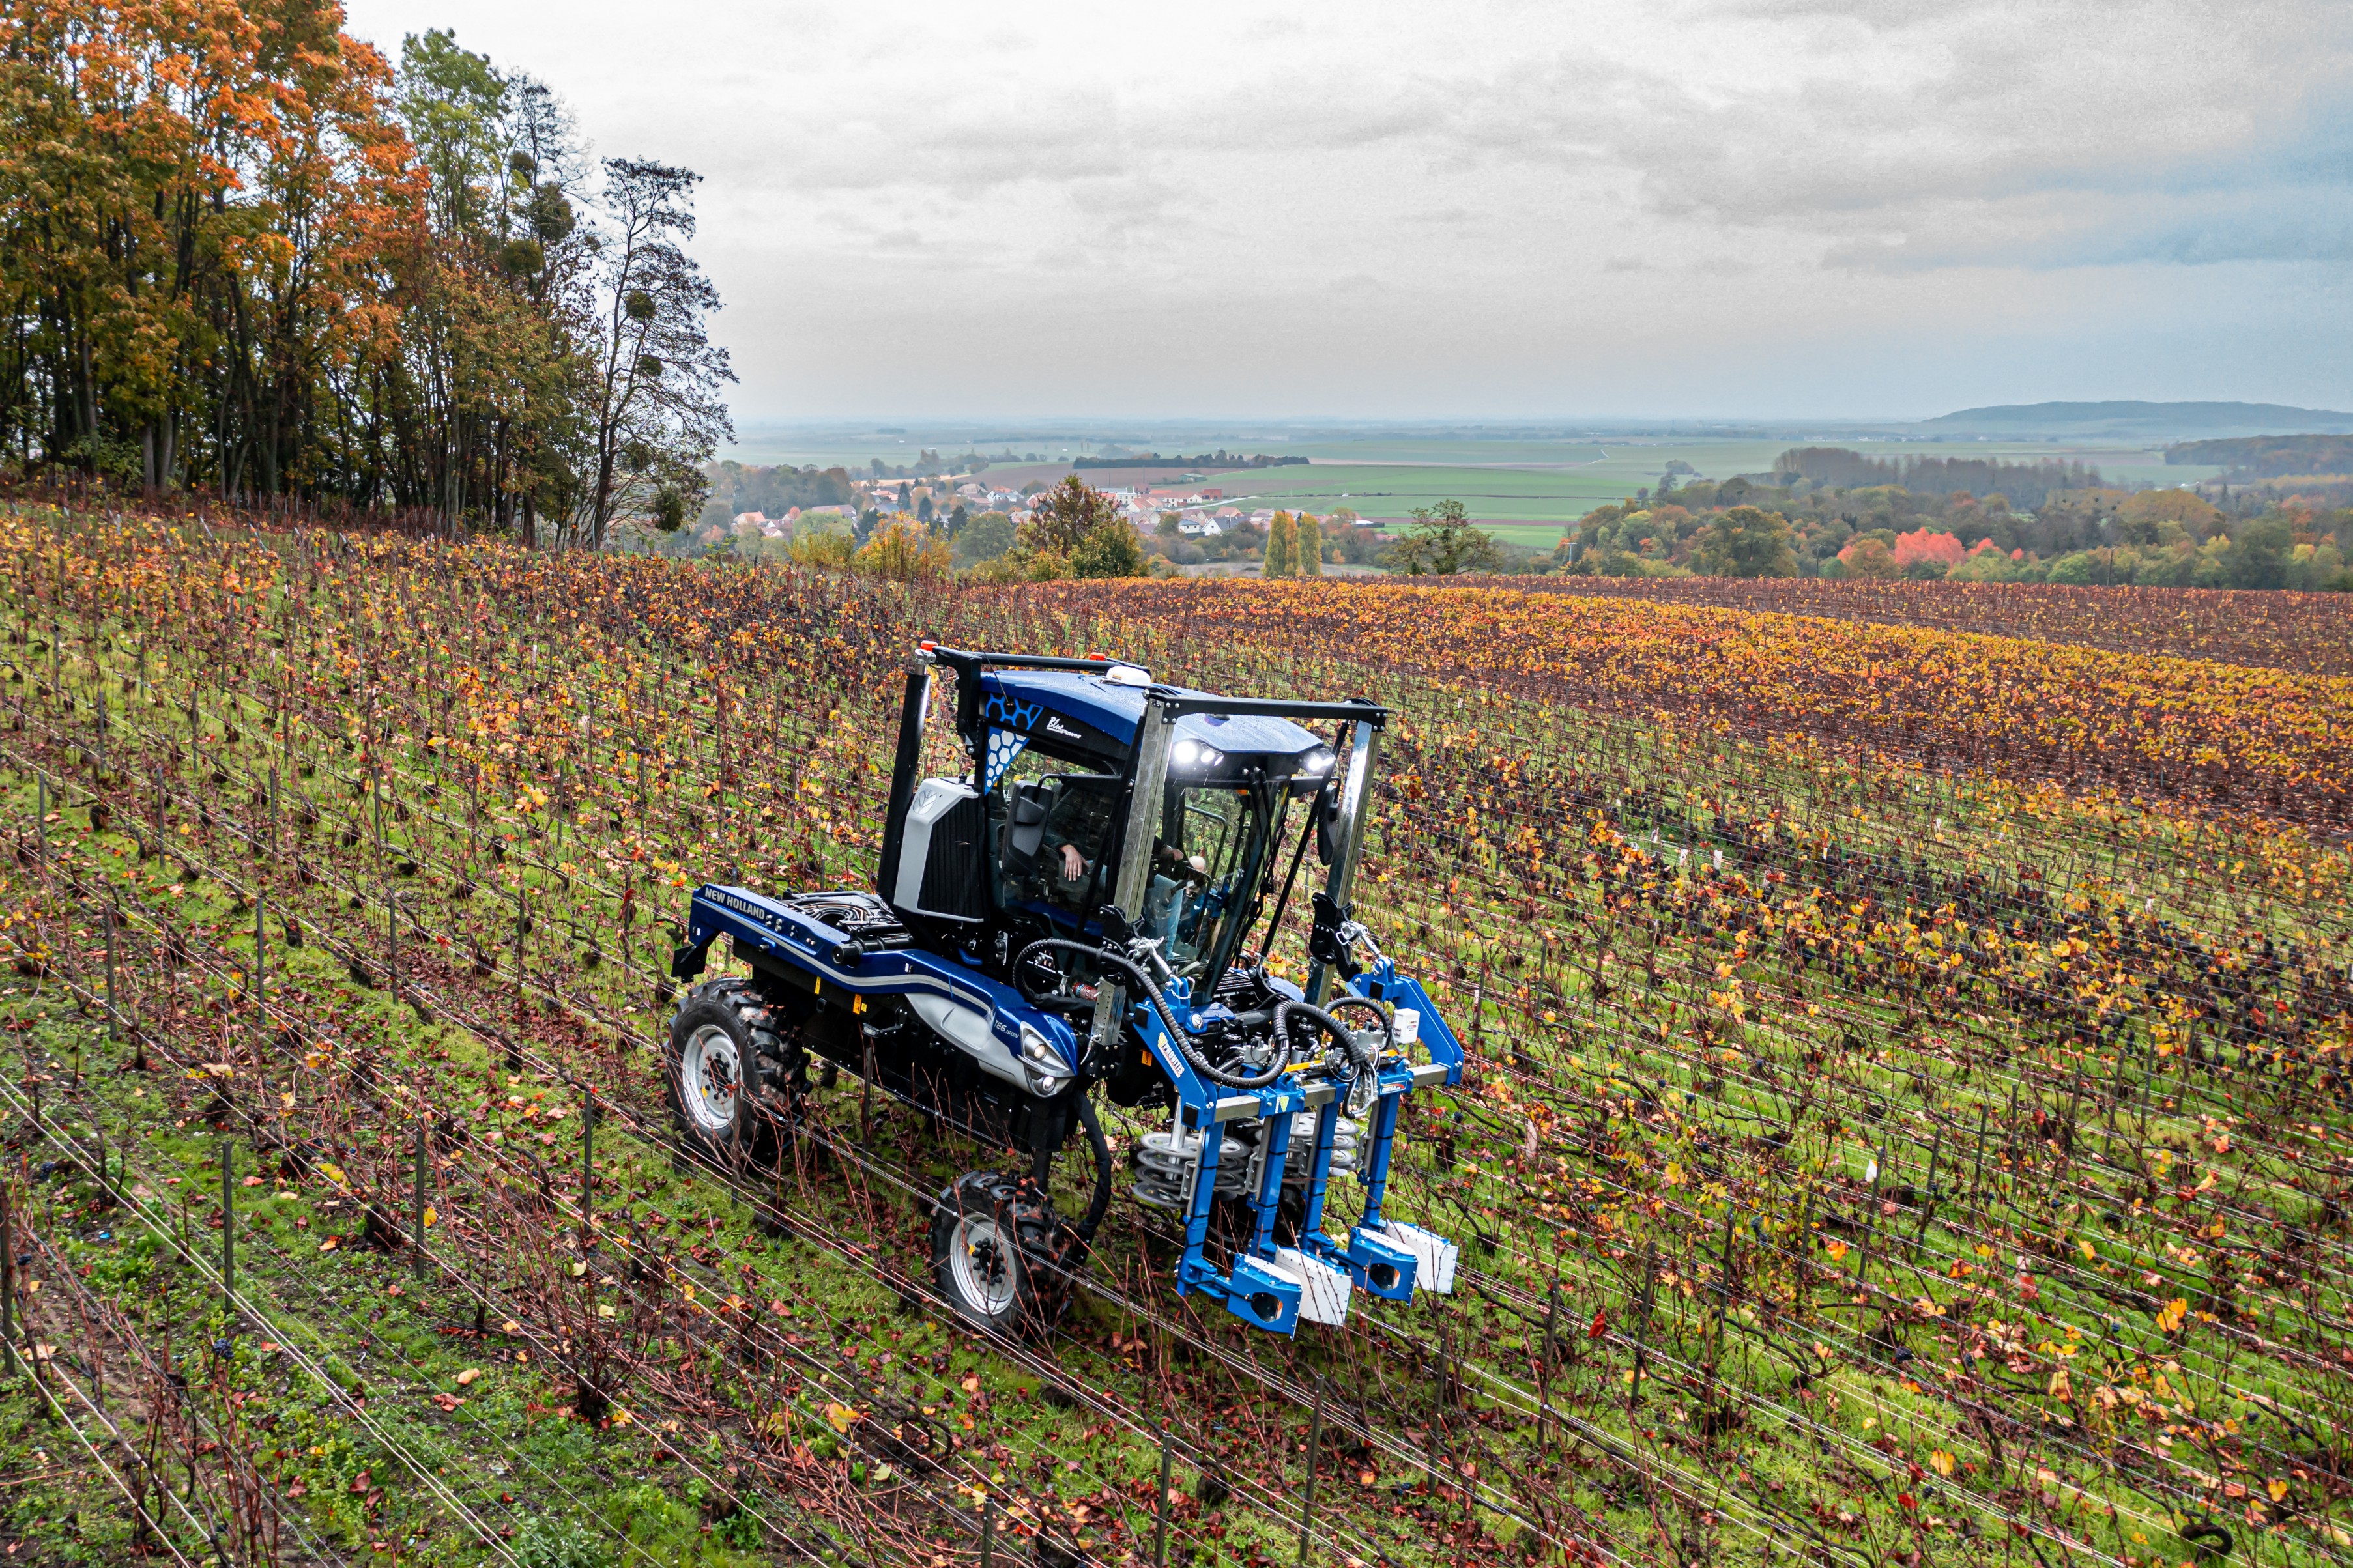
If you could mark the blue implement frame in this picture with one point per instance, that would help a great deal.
(1256, 1289)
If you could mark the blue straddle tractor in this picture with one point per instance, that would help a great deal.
(1085, 911)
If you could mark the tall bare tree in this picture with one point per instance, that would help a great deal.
(654, 409)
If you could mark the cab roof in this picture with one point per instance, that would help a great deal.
(1100, 714)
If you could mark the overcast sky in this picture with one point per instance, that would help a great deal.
(1884, 208)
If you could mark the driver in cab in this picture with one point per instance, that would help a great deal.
(1077, 831)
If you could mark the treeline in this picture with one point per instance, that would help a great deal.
(2028, 485)
(2152, 538)
(737, 488)
(245, 254)
(1217, 459)
(2250, 458)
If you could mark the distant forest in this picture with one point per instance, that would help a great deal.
(2026, 485)
(2251, 457)
(775, 491)
(1217, 459)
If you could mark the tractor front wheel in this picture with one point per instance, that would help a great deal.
(1000, 1257)
(732, 1084)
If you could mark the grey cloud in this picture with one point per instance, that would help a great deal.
(1516, 187)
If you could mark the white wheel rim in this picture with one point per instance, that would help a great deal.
(709, 1072)
(981, 1259)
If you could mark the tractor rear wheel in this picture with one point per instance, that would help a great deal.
(734, 1082)
(1000, 1257)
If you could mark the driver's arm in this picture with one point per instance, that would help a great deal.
(1085, 820)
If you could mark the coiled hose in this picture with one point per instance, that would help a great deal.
(1177, 1032)
(1369, 1069)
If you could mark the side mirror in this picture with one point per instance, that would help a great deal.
(1326, 807)
(1025, 825)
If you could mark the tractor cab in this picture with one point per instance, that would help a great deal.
(1035, 839)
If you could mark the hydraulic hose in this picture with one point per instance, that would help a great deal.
(1286, 1010)
(1368, 1067)
(1099, 1205)
(1143, 983)
(1388, 1029)
(1364, 1067)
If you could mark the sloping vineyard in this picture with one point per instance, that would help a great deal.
(1905, 1120)
(2308, 632)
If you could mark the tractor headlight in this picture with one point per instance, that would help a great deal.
(1193, 754)
(1042, 1064)
(1318, 761)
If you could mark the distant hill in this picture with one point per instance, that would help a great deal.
(2269, 457)
(2164, 421)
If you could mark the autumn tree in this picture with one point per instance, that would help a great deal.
(1868, 558)
(904, 549)
(1306, 547)
(1112, 550)
(1747, 541)
(238, 251)
(1440, 542)
(196, 203)
(1278, 546)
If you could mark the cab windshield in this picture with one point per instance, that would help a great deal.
(1209, 868)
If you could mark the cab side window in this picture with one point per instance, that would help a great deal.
(1053, 823)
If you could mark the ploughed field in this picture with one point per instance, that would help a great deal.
(1905, 1120)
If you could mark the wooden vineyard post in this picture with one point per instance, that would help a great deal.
(1928, 1193)
(113, 1029)
(1976, 1169)
(1723, 1298)
(417, 1197)
(1869, 1221)
(866, 1098)
(2116, 1089)
(2010, 1141)
(2075, 1104)
(1544, 1365)
(228, 1229)
(8, 1282)
(1805, 1251)
(1160, 1502)
(587, 1166)
(514, 1044)
(1314, 1441)
(1642, 1322)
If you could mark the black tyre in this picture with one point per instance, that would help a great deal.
(734, 1081)
(1000, 1257)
